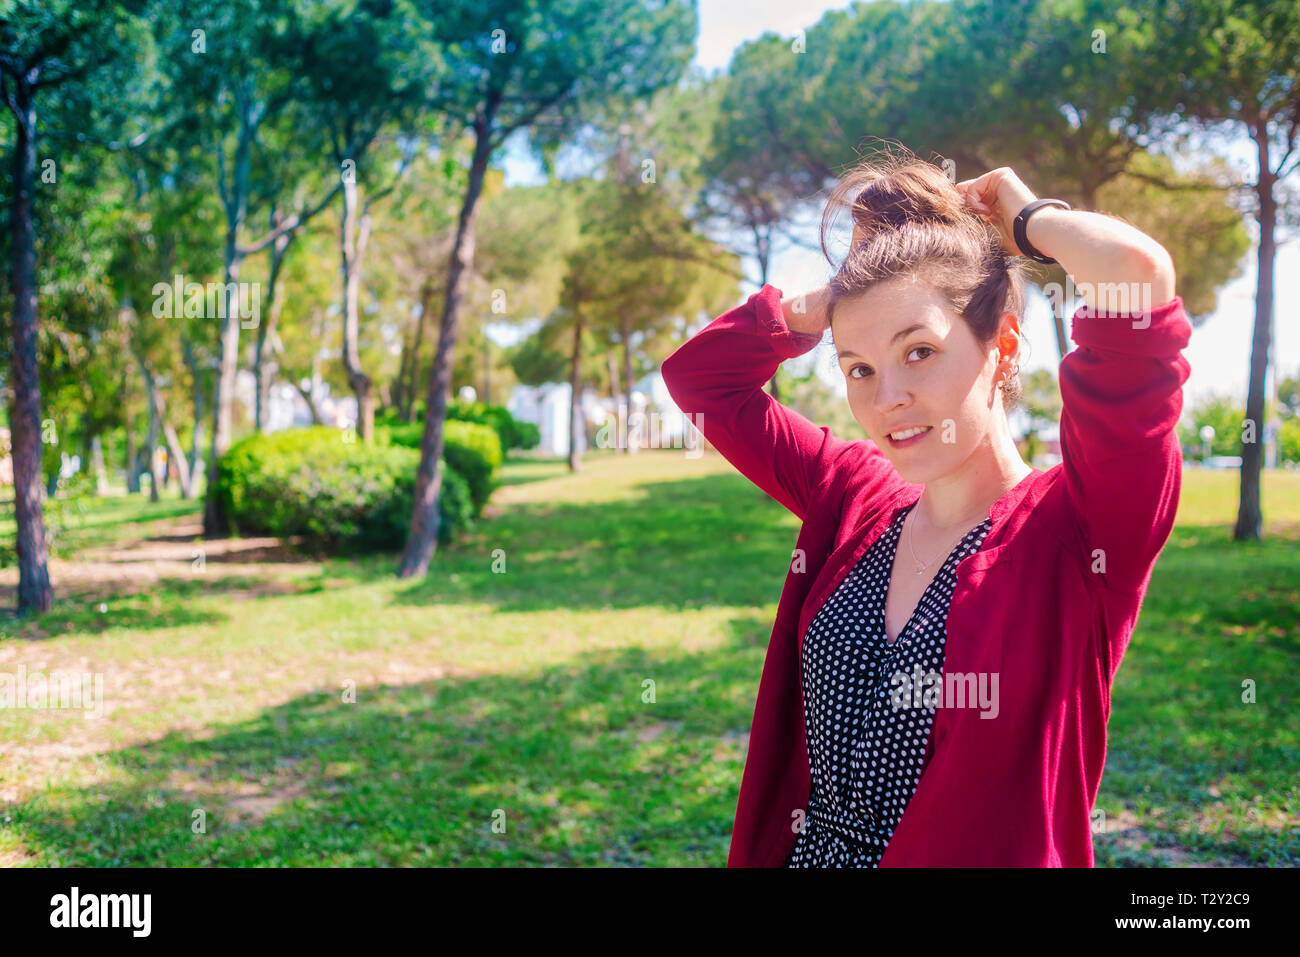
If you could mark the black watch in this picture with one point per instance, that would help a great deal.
(1018, 228)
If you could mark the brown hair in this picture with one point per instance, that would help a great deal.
(914, 222)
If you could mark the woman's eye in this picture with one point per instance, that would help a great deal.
(923, 349)
(866, 371)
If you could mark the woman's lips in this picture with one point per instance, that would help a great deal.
(909, 442)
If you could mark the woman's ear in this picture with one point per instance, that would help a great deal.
(1009, 337)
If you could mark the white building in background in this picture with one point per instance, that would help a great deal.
(547, 407)
(654, 418)
(287, 409)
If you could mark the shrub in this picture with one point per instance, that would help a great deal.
(339, 495)
(472, 450)
(513, 433)
(1288, 441)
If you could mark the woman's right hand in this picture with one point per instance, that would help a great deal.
(806, 313)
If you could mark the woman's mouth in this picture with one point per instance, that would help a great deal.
(904, 438)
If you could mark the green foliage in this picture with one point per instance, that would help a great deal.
(67, 509)
(472, 450)
(1224, 416)
(1288, 397)
(341, 495)
(1288, 441)
(513, 433)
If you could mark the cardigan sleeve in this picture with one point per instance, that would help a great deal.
(1121, 396)
(717, 378)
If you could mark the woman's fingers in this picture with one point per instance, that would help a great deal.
(998, 196)
(977, 194)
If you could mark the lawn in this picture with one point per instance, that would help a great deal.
(572, 685)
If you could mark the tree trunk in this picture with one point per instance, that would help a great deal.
(411, 373)
(354, 232)
(762, 244)
(575, 399)
(402, 384)
(132, 473)
(629, 447)
(262, 370)
(615, 389)
(151, 449)
(1062, 337)
(158, 412)
(311, 406)
(215, 523)
(196, 441)
(616, 394)
(1250, 517)
(34, 592)
(424, 519)
(97, 466)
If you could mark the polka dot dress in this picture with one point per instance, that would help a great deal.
(865, 755)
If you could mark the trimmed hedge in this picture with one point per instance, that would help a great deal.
(472, 450)
(341, 495)
(513, 433)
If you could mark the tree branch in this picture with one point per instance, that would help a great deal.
(290, 224)
(1174, 187)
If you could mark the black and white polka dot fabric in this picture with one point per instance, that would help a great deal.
(865, 755)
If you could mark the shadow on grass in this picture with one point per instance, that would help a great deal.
(577, 761)
(523, 471)
(165, 603)
(684, 544)
(1204, 747)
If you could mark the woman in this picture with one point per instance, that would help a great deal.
(937, 684)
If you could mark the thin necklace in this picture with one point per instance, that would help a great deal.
(922, 566)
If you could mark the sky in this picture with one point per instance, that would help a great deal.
(1219, 351)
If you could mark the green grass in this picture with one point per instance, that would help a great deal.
(593, 697)
(75, 525)
(1209, 777)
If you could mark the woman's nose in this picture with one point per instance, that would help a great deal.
(891, 393)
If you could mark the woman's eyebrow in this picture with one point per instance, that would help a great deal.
(842, 353)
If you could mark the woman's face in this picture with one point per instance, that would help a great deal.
(919, 383)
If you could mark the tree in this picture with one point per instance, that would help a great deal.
(307, 338)
(165, 227)
(519, 266)
(539, 68)
(1241, 71)
(1064, 96)
(648, 268)
(229, 86)
(367, 66)
(46, 48)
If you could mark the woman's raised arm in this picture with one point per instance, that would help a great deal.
(1121, 390)
(717, 377)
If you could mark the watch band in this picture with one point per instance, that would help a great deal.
(1018, 228)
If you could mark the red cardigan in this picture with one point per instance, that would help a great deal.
(1048, 602)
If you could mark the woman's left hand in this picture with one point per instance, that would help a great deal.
(999, 196)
